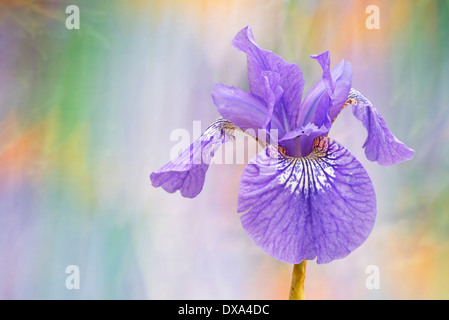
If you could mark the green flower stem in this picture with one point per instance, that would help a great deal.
(298, 276)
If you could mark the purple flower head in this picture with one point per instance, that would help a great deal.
(304, 196)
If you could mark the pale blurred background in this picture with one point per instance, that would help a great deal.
(86, 116)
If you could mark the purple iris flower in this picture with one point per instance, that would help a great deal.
(304, 196)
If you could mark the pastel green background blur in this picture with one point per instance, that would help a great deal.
(86, 116)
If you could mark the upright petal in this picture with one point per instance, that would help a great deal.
(381, 145)
(326, 99)
(291, 78)
(273, 92)
(187, 172)
(324, 60)
(322, 206)
(343, 85)
(243, 109)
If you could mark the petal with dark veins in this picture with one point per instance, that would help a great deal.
(321, 206)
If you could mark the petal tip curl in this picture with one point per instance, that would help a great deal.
(381, 144)
(187, 172)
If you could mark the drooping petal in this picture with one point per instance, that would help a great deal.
(322, 206)
(325, 100)
(243, 109)
(291, 78)
(187, 172)
(381, 145)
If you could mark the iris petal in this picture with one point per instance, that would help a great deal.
(381, 145)
(273, 92)
(341, 90)
(322, 206)
(291, 78)
(187, 172)
(325, 100)
(245, 110)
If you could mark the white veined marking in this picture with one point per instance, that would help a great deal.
(305, 175)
